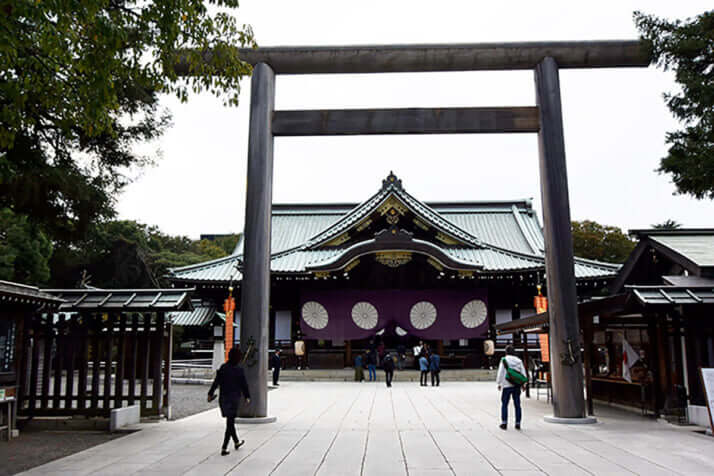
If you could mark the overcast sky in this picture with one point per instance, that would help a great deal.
(615, 120)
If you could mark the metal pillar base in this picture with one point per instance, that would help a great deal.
(570, 421)
(256, 420)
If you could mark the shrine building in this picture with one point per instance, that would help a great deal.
(392, 269)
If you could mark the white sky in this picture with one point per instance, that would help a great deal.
(615, 120)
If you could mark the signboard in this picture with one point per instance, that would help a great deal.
(708, 383)
(541, 305)
(2, 394)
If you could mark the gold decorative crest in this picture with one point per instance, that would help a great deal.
(393, 259)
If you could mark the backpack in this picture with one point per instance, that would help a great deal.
(513, 376)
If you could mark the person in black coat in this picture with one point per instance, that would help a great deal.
(230, 378)
(388, 366)
(275, 364)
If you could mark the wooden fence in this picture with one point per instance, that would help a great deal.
(88, 363)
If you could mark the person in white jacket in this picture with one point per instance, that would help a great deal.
(507, 389)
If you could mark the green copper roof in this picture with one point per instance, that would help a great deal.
(498, 237)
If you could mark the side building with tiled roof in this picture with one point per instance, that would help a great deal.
(396, 270)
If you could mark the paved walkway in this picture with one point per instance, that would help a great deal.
(366, 429)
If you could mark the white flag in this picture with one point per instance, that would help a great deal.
(629, 357)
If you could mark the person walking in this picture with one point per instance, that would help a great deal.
(401, 355)
(424, 368)
(388, 366)
(275, 364)
(372, 364)
(230, 378)
(359, 368)
(300, 352)
(509, 389)
(435, 368)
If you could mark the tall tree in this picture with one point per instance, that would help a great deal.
(594, 241)
(24, 250)
(668, 224)
(79, 86)
(687, 48)
(127, 254)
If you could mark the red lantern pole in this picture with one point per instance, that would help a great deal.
(229, 306)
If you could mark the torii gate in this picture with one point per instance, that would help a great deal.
(546, 118)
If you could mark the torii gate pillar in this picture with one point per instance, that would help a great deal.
(565, 363)
(255, 295)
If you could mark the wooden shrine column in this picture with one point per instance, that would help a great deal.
(255, 293)
(566, 364)
(348, 353)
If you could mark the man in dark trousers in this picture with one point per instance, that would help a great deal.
(435, 368)
(388, 366)
(275, 364)
(230, 378)
(508, 389)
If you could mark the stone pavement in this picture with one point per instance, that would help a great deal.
(366, 429)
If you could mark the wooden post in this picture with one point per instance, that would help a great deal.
(121, 355)
(348, 353)
(96, 360)
(156, 343)
(145, 358)
(46, 360)
(34, 366)
(168, 333)
(71, 345)
(83, 361)
(255, 292)
(665, 382)
(654, 359)
(588, 346)
(59, 350)
(133, 345)
(565, 363)
(108, 351)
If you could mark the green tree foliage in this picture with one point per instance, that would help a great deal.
(127, 254)
(668, 224)
(594, 241)
(79, 87)
(687, 48)
(24, 250)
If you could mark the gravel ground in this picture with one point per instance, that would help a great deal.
(34, 448)
(187, 400)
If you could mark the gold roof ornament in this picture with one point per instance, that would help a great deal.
(393, 259)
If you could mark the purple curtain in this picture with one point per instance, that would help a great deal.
(393, 308)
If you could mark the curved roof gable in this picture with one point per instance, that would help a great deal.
(392, 190)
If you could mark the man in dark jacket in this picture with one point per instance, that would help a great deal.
(230, 378)
(388, 366)
(275, 364)
(435, 367)
(372, 365)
